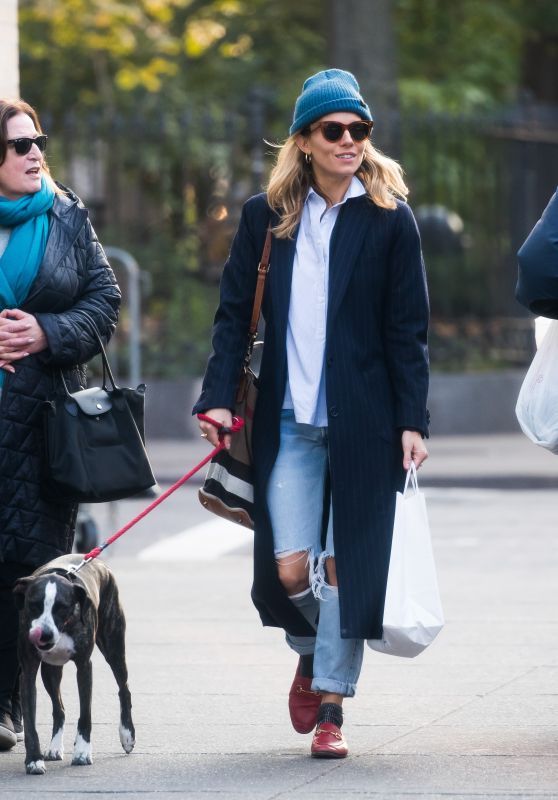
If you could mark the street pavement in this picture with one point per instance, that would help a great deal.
(475, 716)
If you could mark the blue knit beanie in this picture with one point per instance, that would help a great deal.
(325, 92)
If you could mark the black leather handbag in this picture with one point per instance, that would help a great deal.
(94, 442)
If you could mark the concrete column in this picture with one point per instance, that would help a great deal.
(9, 53)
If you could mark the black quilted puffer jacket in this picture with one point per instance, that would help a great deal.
(74, 281)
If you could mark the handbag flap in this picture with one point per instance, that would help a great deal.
(93, 401)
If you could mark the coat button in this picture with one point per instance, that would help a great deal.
(329, 361)
(333, 411)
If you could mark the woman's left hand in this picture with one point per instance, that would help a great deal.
(20, 335)
(414, 449)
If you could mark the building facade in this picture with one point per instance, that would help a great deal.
(9, 55)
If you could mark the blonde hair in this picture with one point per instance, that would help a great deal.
(292, 177)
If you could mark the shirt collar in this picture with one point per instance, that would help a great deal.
(356, 189)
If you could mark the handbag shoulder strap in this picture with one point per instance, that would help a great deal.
(106, 366)
(263, 269)
(107, 372)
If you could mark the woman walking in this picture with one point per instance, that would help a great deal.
(342, 389)
(55, 282)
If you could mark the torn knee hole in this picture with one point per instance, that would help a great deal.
(324, 574)
(293, 569)
(291, 557)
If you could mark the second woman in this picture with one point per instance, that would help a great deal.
(342, 389)
(55, 284)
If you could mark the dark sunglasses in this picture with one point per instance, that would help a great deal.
(23, 146)
(333, 131)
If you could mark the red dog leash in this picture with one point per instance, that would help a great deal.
(237, 424)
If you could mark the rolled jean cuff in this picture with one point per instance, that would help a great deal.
(303, 645)
(335, 687)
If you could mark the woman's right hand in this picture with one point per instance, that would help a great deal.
(20, 335)
(15, 338)
(209, 431)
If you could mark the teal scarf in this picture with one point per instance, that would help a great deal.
(22, 257)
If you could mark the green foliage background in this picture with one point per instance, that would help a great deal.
(181, 93)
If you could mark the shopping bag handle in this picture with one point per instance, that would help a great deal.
(412, 477)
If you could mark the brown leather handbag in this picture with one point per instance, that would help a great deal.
(228, 489)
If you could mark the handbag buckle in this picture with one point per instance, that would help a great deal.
(93, 402)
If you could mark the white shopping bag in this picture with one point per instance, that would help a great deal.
(413, 614)
(537, 403)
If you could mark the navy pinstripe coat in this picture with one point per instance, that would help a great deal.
(376, 385)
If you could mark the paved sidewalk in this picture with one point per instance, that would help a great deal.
(499, 461)
(476, 716)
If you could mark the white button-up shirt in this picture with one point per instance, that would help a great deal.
(306, 329)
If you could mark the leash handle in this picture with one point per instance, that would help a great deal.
(238, 424)
(223, 430)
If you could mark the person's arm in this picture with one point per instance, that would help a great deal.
(70, 335)
(537, 281)
(405, 333)
(232, 320)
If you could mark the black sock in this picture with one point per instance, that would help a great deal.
(331, 712)
(306, 669)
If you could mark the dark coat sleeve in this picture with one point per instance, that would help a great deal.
(406, 325)
(232, 320)
(71, 339)
(537, 285)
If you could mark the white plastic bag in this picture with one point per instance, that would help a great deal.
(537, 403)
(413, 614)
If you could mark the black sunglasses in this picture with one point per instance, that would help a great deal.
(333, 131)
(23, 146)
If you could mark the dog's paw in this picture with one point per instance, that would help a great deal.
(81, 760)
(83, 754)
(55, 750)
(35, 767)
(127, 738)
(54, 755)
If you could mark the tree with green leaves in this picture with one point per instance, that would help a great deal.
(171, 101)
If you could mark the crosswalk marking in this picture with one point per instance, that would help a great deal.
(205, 542)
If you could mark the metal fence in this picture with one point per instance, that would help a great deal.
(488, 179)
(170, 189)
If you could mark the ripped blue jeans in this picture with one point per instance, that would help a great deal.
(295, 499)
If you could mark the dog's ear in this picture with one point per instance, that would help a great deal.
(82, 598)
(20, 590)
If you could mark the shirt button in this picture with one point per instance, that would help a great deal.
(333, 411)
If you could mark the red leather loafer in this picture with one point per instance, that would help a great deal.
(329, 742)
(303, 703)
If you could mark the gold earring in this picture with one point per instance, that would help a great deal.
(308, 158)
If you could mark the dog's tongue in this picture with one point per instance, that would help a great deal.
(35, 635)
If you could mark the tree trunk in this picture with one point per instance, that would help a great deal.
(540, 67)
(362, 40)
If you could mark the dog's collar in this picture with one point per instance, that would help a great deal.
(65, 573)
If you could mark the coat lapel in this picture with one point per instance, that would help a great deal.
(280, 274)
(346, 243)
